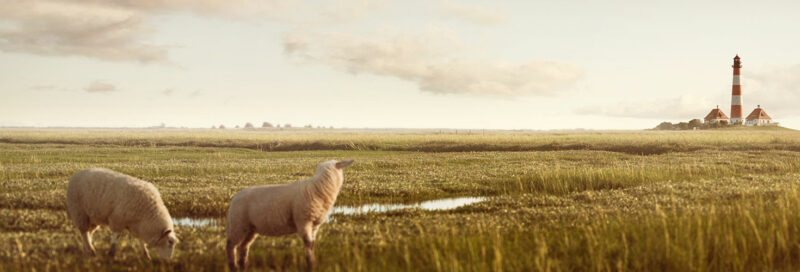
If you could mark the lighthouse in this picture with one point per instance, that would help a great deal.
(736, 94)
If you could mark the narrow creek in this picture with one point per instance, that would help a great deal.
(430, 205)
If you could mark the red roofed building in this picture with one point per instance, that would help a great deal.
(758, 117)
(716, 115)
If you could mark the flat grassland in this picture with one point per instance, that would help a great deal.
(637, 200)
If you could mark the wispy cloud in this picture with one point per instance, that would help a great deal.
(100, 87)
(200, 6)
(776, 88)
(42, 88)
(194, 94)
(341, 11)
(433, 60)
(478, 14)
(113, 30)
(180, 93)
(118, 30)
(75, 28)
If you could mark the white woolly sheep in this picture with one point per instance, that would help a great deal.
(100, 196)
(277, 210)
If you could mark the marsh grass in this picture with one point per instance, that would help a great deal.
(633, 142)
(712, 201)
(200, 181)
(701, 226)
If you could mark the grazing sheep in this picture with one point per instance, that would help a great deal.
(100, 196)
(277, 210)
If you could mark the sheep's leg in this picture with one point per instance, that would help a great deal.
(144, 249)
(236, 235)
(113, 248)
(86, 236)
(307, 233)
(314, 231)
(310, 255)
(230, 251)
(85, 228)
(243, 249)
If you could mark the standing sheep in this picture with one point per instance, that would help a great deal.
(100, 196)
(277, 210)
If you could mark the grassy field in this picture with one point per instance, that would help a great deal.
(645, 200)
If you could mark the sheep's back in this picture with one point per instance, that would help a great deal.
(108, 197)
(269, 209)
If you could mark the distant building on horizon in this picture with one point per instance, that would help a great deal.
(758, 117)
(715, 116)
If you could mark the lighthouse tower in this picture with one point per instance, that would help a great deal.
(736, 94)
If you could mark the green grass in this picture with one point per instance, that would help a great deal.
(686, 201)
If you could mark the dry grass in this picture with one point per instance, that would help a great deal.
(713, 201)
(630, 142)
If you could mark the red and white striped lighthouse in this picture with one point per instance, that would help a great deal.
(736, 94)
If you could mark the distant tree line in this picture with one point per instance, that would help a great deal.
(691, 125)
(268, 125)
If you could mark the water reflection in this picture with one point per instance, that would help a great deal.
(197, 222)
(431, 205)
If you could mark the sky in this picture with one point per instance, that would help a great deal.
(393, 64)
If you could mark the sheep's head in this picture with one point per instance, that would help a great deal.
(166, 244)
(333, 169)
(333, 165)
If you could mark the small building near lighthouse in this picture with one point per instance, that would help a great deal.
(758, 117)
(716, 116)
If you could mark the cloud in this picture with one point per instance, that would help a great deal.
(195, 94)
(100, 87)
(118, 30)
(168, 92)
(776, 88)
(199, 6)
(342, 11)
(683, 107)
(42, 88)
(482, 15)
(75, 28)
(431, 60)
(111, 30)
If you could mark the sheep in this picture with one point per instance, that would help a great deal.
(277, 210)
(100, 196)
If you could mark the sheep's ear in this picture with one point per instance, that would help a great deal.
(343, 164)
